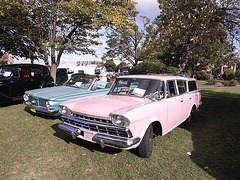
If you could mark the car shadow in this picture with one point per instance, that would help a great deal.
(80, 142)
(40, 115)
(11, 103)
(216, 136)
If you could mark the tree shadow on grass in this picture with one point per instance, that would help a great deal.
(80, 142)
(216, 135)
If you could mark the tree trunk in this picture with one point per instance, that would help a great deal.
(53, 72)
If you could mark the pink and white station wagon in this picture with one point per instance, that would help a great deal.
(135, 108)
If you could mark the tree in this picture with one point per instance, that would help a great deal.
(42, 29)
(3, 59)
(152, 67)
(186, 28)
(110, 66)
(125, 44)
(120, 65)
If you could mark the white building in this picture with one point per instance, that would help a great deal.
(85, 67)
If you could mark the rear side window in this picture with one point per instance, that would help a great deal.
(45, 71)
(171, 89)
(35, 72)
(192, 85)
(182, 86)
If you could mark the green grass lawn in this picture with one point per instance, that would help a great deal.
(32, 147)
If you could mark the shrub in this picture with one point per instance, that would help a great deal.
(201, 75)
(170, 70)
(212, 82)
(148, 67)
(228, 74)
(226, 83)
(237, 75)
(232, 82)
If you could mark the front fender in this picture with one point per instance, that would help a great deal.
(139, 128)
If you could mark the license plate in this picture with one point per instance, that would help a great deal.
(33, 110)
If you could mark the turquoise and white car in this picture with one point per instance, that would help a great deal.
(45, 101)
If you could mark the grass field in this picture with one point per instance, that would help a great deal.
(32, 147)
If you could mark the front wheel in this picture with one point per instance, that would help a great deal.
(145, 147)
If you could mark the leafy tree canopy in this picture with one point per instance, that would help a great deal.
(189, 32)
(126, 44)
(47, 29)
(110, 65)
(3, 59)
(152, 67)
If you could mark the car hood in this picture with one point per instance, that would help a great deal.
(63, 93)
(102, 106)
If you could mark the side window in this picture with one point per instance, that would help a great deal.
(45, 71)
(35, 72)
(192, 85)
(182, 86)
(24, 73)
(171, 89)
(16, 73)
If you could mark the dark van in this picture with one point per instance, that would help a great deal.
(15, 79)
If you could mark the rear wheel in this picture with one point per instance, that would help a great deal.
(145, 147)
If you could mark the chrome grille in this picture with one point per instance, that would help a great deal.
(38, 102)
(97, 125)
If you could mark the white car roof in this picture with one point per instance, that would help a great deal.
(158, 76)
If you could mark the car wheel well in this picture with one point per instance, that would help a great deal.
(194, 107)
(157, 128)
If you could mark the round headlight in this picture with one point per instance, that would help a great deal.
(48, 105)
(64, 110)
(120, 121)
(26, 97)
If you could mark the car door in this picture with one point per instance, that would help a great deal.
(19, 83)
(36, 78)
(174, 103)
(186, 98)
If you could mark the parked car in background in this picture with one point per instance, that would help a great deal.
(46, 101)
(15, 79)
(136, 107)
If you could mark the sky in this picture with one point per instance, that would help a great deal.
(148, 8)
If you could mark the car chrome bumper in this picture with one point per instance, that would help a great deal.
(42, 110)
(101, 139)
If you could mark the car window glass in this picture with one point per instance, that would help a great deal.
(138, 87)
(23, 72)
(99, 85)
(45, 71)
(192, 85)
(170, 89)
(5, 72)
(16, 73)
(82, 82)
(181, 86)
(35, 72)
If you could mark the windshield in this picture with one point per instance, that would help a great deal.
(147, 88)
(5, 71)
(82, 82)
